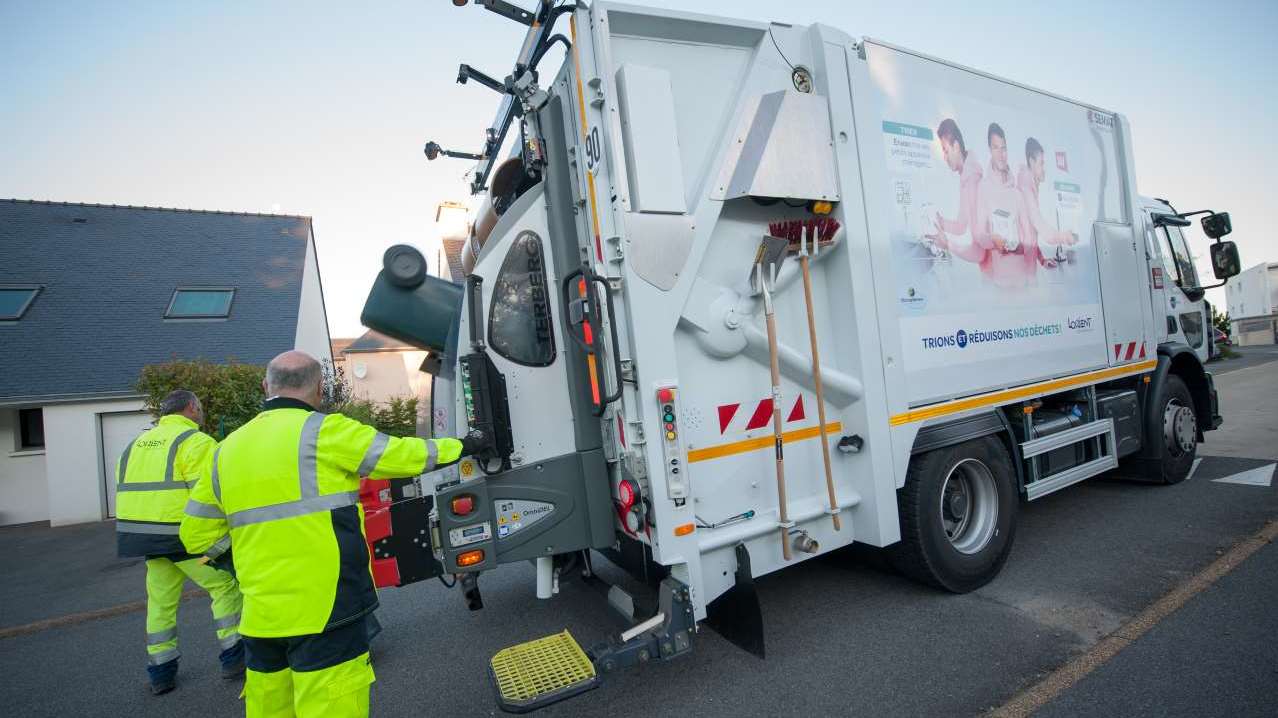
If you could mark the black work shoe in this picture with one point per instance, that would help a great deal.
(232, 660)
(164, 685)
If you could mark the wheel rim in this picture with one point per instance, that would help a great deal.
(1180, 428)
(969, 506)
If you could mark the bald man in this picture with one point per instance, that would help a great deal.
(284, 490)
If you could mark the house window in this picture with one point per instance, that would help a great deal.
(30, 429)
(200, 303)
(14, 301)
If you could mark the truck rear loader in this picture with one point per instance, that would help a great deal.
(742, 294)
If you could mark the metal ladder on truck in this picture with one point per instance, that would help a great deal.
(1095, 436)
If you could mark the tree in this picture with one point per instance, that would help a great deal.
(1220, 321)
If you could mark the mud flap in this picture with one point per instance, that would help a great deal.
(737, 615)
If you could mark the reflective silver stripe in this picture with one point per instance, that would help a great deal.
(230, 621)
(135, 527)
(374, 454)
(173, 449)
(202, 510)
(153, 486)
(123, 467)
(307, 449)
(229, 641)
(291, 509)
(217, 485)
(432, 455)
(219, 547)
(156, 659)
(159, 637)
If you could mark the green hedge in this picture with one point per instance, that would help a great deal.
(232, 395)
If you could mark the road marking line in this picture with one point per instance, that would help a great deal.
(1058, 681)
(1259, 476)
(82, 617)
(1193, 468)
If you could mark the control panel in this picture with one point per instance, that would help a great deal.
(466, 535)
(487, 408)
(676, 472)
(514, 515)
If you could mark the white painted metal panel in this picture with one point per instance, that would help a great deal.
(651, 139)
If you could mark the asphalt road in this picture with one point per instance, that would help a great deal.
(843, 636)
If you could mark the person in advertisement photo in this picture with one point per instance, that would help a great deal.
(1034, 227)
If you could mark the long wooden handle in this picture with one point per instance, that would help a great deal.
(820, 394)
(777, 431)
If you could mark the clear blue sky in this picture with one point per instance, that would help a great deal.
(321, 108)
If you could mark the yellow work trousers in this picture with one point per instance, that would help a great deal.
(322, 674)
(339, 691)
(164, 580)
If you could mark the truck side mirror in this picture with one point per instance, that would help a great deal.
(1216, 226)
(1224, 256)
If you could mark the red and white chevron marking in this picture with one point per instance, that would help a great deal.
(734, 421)
(1131, 351)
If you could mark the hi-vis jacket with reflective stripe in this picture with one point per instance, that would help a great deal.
(153, 479)
(287, 486)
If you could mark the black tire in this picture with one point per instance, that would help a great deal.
(1174, 463)
(926, 553)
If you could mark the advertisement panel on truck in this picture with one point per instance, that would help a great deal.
(993, 190)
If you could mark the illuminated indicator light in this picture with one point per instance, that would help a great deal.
(665, 396)
(463, 505)
(670, 435)
(669, 427)
(626, 492)
(822, 207)
(685, 529)
(470, 558)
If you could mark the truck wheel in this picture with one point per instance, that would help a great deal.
(1179, 436)
(958, 515)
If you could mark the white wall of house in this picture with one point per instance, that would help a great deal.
(387, 374)
(75, 476)
(312, 321)
(23, 497)
(1252, 293)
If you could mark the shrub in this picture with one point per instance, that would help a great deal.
(231, 393)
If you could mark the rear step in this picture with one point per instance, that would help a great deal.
(533, 675)
(530, 676)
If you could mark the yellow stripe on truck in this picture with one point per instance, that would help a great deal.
(740, 447)
(1023, 392)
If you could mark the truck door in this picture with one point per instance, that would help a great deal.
(1182, 297)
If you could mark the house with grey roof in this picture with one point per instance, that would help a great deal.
(89, 294)
(380, 368)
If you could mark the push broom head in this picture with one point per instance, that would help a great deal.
(820, 231)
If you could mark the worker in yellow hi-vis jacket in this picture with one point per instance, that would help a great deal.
(153, 477)
(283, 491)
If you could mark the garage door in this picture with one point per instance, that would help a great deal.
(118, 430)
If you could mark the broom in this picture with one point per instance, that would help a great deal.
(799, 233)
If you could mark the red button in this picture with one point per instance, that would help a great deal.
(463, 505)
(665, 396)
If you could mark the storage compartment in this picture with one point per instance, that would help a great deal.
(1124, 408)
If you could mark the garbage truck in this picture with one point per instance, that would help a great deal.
(739, 294)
